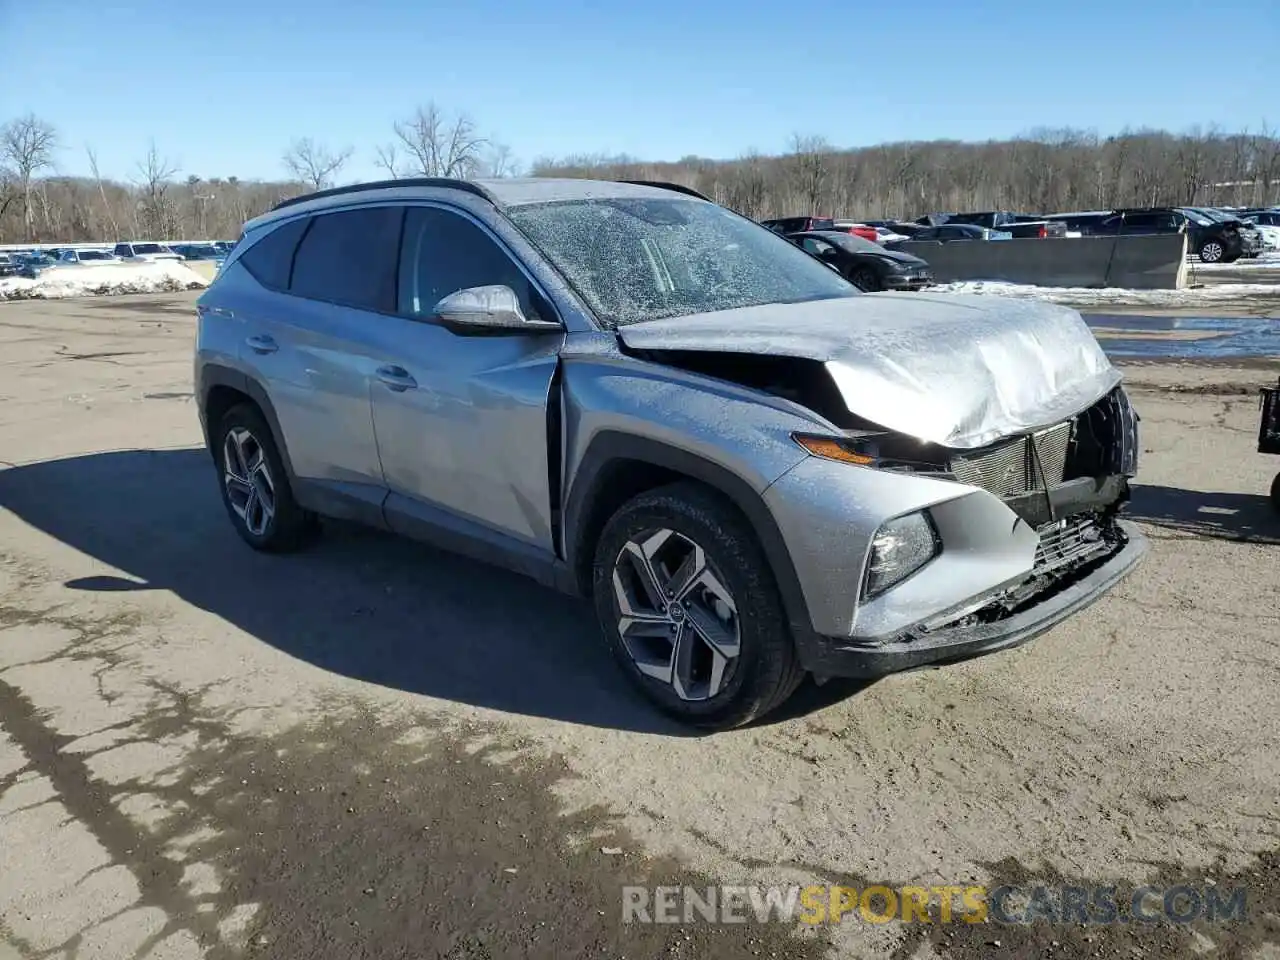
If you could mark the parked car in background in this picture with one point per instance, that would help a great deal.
(76, 255)
(1080, 223)
(868, 266)
(1268, 230)
(1250, 238)
(1211, 240)
(799, 224)
(10, 265)
(141, 251)
(885, 235)
(1019, 225)
(198, 251)
(30, 263)
(857, 229)
(949, 232)
(1266, 217)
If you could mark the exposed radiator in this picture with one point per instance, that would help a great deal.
(1008, 469)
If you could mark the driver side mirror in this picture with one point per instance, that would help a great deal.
(488, 311)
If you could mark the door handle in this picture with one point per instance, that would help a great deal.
(396, 378)
(262, 344)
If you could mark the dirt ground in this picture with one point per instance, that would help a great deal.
(376, 750)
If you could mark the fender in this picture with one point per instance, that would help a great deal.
(608, 447)
(216, 375)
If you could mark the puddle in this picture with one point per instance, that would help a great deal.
(1185, 337)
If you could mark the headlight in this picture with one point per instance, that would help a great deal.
(899, 549)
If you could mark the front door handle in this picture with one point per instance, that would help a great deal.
(396, 378)
(262, 344)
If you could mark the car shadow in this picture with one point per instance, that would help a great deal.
(1224, 516)
(359, 603)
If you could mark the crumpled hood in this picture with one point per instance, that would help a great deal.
(961, 371)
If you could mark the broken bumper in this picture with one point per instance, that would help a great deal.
(841, 657)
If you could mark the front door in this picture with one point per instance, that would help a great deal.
(461, 421)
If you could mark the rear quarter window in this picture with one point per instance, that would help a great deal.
(270, 260)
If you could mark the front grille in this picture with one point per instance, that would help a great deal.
(1008, 469)
(1068, 542)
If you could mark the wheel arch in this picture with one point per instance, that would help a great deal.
(617, 467)
(221, 388)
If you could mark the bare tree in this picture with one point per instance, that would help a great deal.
(440, 146)
(102, 192)
(27, 145)
(809, 156)
(155, 208)
(313, 163)
(499, 161)
(387, 157)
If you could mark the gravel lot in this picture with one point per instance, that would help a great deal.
(376, 750)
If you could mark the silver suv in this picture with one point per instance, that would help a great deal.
(633, 394)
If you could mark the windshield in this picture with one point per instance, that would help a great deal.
(201, 252)
(633, 260)
(139, 248)
(93, 255)
(852, 243)
(1199, 218)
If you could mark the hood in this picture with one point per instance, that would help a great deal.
(961, 371)
(897, 256)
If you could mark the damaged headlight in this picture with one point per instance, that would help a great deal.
(900, 548)
(880, 449)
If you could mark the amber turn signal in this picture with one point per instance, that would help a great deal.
(833, 450)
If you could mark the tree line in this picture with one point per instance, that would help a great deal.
(1043, 172)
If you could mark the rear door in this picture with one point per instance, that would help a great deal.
(316, 348)
(462, 421)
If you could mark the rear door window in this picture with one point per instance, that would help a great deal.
(350, 258)
(270, 260)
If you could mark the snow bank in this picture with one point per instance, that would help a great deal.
(1113, 296)
(102, 280)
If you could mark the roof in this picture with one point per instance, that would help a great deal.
(501, 192)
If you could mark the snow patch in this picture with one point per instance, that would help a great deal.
(106, 279)
(1111, 296)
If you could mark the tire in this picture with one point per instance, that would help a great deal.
(735, 597)
(1212, 251)
(865, 279)
(1275, 492)
(256, 491)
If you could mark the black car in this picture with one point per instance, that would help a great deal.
(786, 225)
(946, 232)
(866, 265)
(1214, 241)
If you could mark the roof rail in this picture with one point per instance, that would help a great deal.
(447, 182)
(665, 185)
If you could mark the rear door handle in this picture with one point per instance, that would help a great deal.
(262, 344)
(396, 378)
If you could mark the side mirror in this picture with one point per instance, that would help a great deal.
(490, 310)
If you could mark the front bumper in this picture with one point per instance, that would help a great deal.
(900, 282)
(840, 657)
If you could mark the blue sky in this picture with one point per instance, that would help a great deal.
(222, 87)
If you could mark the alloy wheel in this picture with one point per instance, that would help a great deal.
(247, 477)
(1211, 252)
(676, 618)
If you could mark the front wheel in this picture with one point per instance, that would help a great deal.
(689, 607)
(1212, 251)
(1275, 492)
(865, 279)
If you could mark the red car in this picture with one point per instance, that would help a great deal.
(858, 230)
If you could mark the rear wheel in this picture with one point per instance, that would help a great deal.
(688, 605)
(255, 487)
(865, 279)
(1275, 492)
